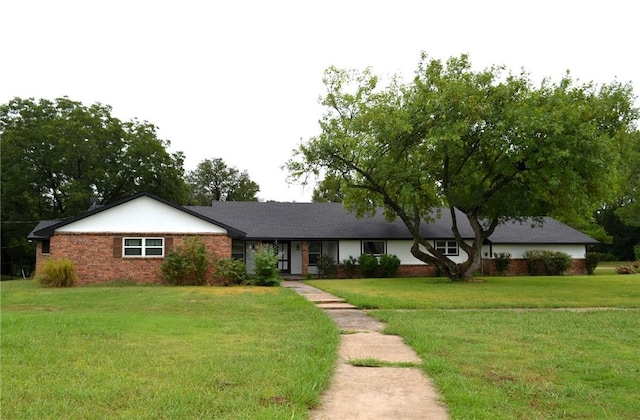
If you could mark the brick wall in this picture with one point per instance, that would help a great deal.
(518, 267)
(95, 262)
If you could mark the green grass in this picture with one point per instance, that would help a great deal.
(490, 360)
(162, 352)
(492, 292)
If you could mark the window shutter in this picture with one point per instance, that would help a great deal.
(168, 244)
(117, 247)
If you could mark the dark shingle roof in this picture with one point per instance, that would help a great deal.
(272, 220)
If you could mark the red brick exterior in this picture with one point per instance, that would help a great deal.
(305, 258)
(518, 267)
(96, 262)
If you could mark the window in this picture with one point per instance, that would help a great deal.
(237, 250)
(143, 247)
(447, 247)
(315, 250)
(46, 246)
(373, 247)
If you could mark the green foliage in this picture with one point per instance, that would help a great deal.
(187, 264)
(636, 251)
(57, 273)
(389, 265)
(623, 235)
(327, 267)
(545, 262)
(231, 271)
(57, 155)
(266, 266)
(213, 180)
(490, 144)
(591, 260)
(501, 262)
(633, 268)
(350, 266)
(328, 190)
(368, 265)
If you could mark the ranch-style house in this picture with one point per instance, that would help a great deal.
(127, 240)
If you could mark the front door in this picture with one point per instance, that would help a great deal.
(283, 254)
(283, 257)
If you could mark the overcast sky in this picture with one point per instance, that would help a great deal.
(240, 80)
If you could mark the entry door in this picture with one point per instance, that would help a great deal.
(283, 257)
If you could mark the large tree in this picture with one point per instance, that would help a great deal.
(213, 180)
(58, 155)
(488, 143)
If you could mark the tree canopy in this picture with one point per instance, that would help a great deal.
(488, 143)
(57, 155)
(213, 180)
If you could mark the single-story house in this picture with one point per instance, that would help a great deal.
(128, 239)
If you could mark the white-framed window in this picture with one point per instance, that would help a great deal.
(373, 247)
(315, 251)
(237, 250)
(447, 247)
(143, 247)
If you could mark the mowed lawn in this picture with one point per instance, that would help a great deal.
(162, 352)
(506, 348)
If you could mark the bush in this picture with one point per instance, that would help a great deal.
(501, 262)
(389, 265)
(591, 260)
(231, 271)
(634, 268)
(57, 273)
(266, 269)
(368, 265)
(326, 267)
(550, 263)
(350, 265)
(186, 265)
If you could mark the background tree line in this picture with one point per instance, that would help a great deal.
(58, 155)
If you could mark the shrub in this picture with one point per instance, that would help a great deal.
(633, 268)
(231, 271)
(326, 267)
(350, 265)
(591, 260)
(266, 269)
(389, 265)
(501, 262)
(187, 264)
(57, 273)
(368, 265)
(550, 263)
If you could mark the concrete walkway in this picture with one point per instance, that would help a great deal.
(387, 393)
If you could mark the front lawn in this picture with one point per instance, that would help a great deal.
(162, 352)
(491, 292)
(491, 360)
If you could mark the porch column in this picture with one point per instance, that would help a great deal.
(305, 258)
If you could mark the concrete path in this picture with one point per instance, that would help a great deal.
(370, 393)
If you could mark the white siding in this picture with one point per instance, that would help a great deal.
(349, 248)
(142, 215)
(402, 249)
